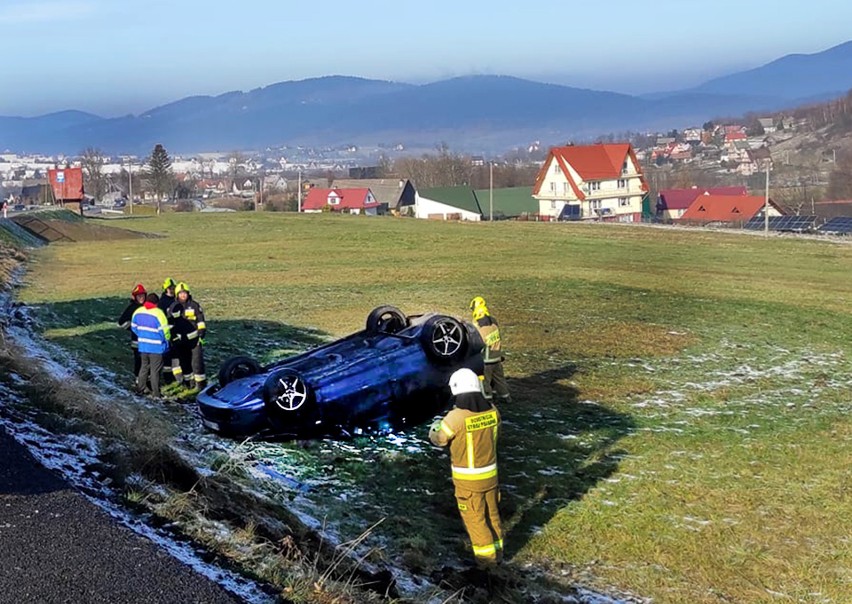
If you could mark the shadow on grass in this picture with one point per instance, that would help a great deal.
(89, 327)
(554, 449)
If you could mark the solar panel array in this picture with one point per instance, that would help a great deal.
(794, 224)
(841, 225)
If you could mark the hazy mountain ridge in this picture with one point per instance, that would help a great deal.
(475, 113)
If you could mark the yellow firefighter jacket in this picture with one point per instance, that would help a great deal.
(490, 332)
(472, 438)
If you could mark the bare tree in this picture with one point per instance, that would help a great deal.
(92, 162)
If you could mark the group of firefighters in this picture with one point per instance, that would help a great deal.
(167, 336)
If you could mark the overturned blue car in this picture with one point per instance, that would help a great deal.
(392, 374)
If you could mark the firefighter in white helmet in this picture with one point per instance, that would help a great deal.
(470, 431)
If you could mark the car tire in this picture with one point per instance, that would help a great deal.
(386, 319)
(236, 368)
(444, 339)
(285, 393)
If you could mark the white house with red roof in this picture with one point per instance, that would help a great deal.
(583, 182)
(350, 201)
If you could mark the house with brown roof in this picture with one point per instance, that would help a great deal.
(396, 193)
(672, 203)
(585, 182)
(730, 210)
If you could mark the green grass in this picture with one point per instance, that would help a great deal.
(680, 425)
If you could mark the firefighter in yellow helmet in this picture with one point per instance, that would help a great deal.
(470, 431)
(189, 329)
(494, 386)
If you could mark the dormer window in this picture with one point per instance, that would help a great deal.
(333, 199)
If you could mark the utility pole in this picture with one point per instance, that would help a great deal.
(300, 191)
(766, 204)
(130, 183)
(261, 192)
(491, 192)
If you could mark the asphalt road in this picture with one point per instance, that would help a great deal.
(57, 546)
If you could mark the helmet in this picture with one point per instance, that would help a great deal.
(138, 290)
(169, 282)
(477, 302)
(181, 287)
(463, 381)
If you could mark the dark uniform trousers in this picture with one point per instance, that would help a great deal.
(494, 384)
(149, 372)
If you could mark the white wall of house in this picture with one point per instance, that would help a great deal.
(618, 196)
(430, 208)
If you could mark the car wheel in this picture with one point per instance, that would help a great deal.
(386, 319)
(236, 368)
(286, 392)
(444, 339)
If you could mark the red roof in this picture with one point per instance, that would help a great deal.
(350, 199)
(591, 162)
(680, 199)
(725, 208)
(67, 183)
(735, 136)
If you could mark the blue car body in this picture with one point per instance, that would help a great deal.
(393, 373)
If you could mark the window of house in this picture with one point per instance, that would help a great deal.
(624, 167)
(333, 200)
(553, 203)
(623, 201)
(555, 167)
(595, 204)
(565, 188)
(622, 183)
(594, 185)
(553, 187)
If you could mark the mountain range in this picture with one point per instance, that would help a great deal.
(473, 113)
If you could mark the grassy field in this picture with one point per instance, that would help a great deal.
(681, 419)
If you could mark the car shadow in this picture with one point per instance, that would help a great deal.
(554, 448)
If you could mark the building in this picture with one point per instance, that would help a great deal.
(730, 210)
(601, 181)
(67, 186)
(347, 201)
(395, 193)
(448, 203)
(672, 203)
(509, 202)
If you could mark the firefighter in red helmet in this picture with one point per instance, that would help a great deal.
(137, 299)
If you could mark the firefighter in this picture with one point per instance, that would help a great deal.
(137, 299)
(470, 430)
(167, 298)
(151, 327)
(188, 330)
(494, 385)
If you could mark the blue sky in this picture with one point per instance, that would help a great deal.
(114, 57)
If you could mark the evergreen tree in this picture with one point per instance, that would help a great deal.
(160, 173)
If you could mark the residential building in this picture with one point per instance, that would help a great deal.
(396, 193)
(672, 203)
(768, 124)
(731, 210)
(601, 181)
(349, 201)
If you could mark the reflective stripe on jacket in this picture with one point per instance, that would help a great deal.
(490, 332)
(187, 320)
(472, 438)
(152, 330)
